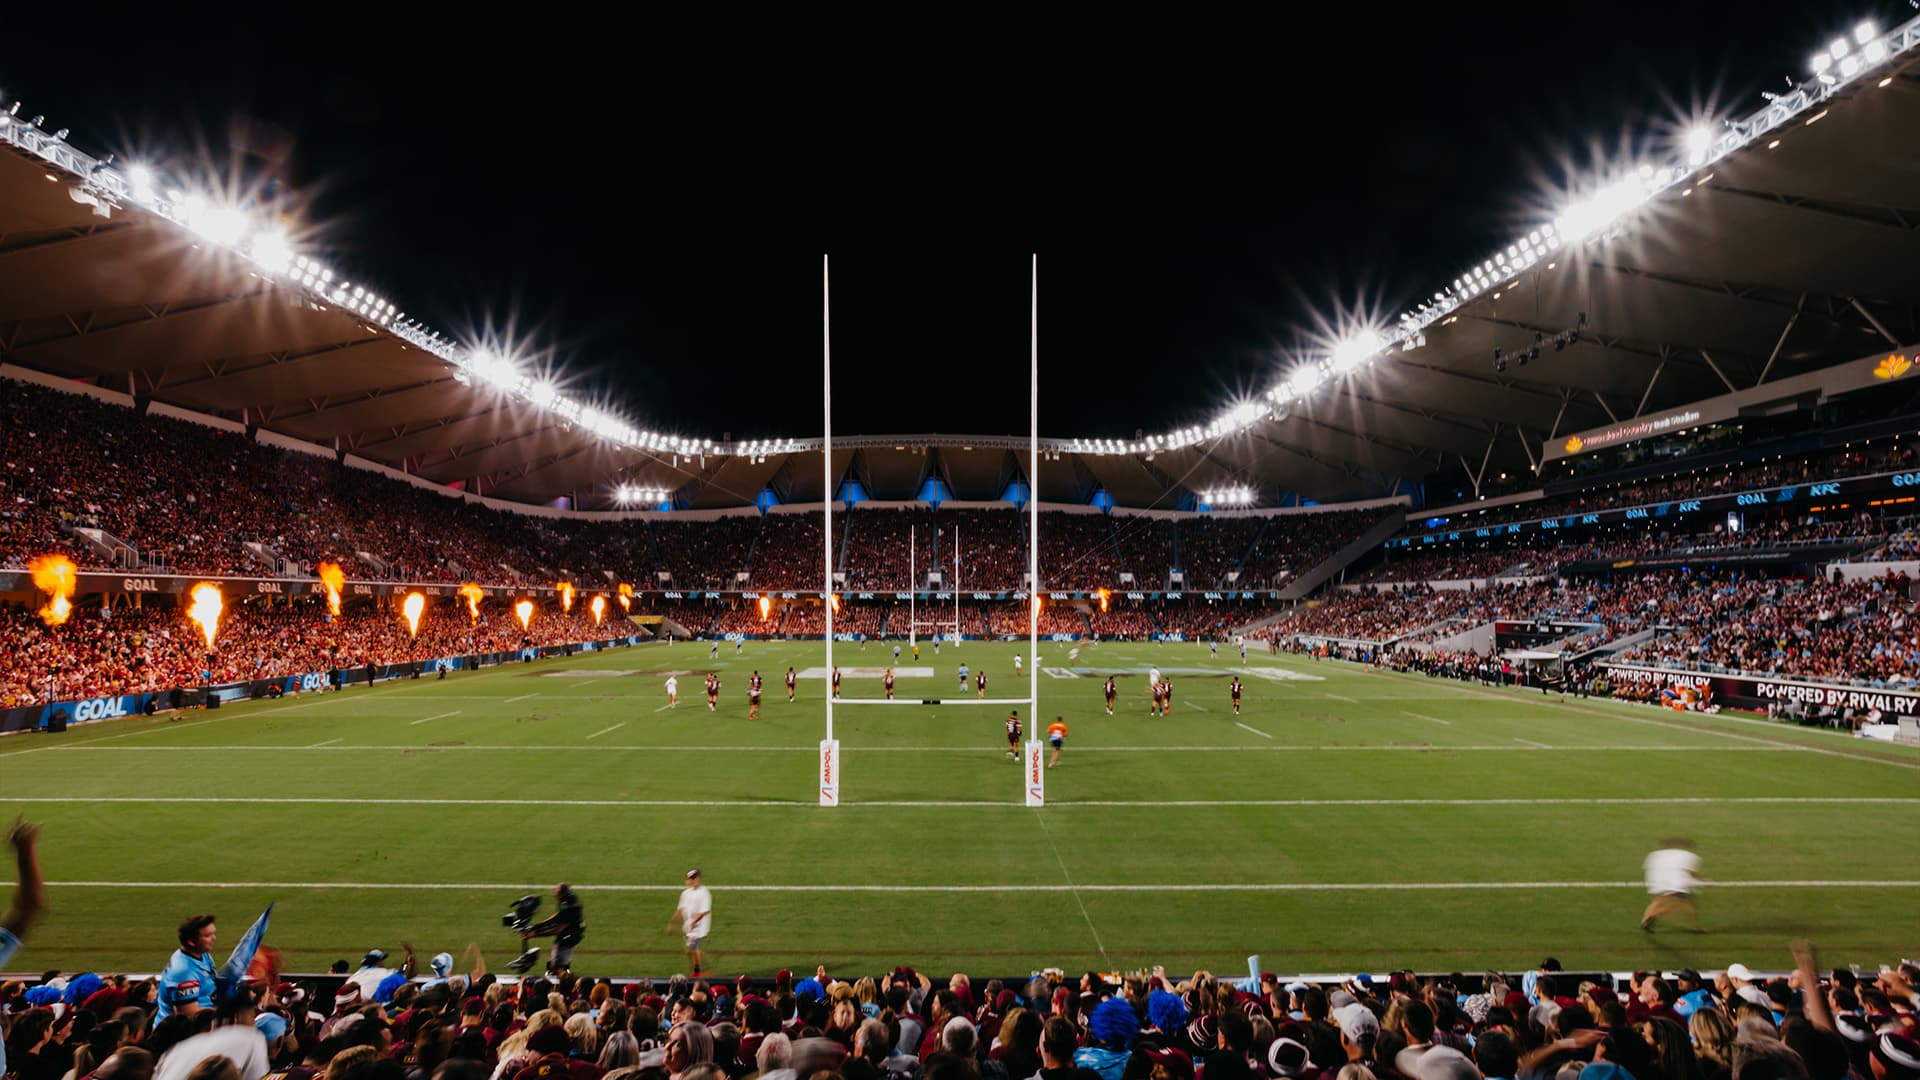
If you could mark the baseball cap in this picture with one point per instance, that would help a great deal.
(1688, 975)
(1739, 971)
(693, 873)
(442, 963)
(1357, 1022)
(1444, 1063)
(1899, 1055)
(1363, 981)
(348, 997)
(271, 1025)
(373, 957)
(1286, 1057)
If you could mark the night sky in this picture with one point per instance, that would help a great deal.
(652, 197)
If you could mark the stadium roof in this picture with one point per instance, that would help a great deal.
(1771, 245)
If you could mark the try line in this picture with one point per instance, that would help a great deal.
(1157, 887)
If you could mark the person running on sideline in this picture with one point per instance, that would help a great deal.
(896, 653)
(836, 680)
(1109, 692)
(886, 683)
(713, 649)
(1013, 734)
(1017, 661)
(713, 692)
(963, 675)
(791, 680)
(980, 684)
(1671, 881)
(753, 696)
(1057, 738)
(1166, 697)
(1234, 689)
(673, 691)
(1213, 649)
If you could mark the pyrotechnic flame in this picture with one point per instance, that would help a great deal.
(626, 597)
(473, 593)
(205, 609)
(766, 608)
(411, 607)
(56, 576)
(598, 607)
(1102, 594)
(1036, 608)
(335, 579)
(524, 609)
(834, 599)
(566, 595)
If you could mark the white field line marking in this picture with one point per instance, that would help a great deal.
(1435, 719)
(1196, 706)
(522, 697)
(1343, 697)
(1680, 800)
(1530, 742)
(1181, 887)
(1623, 707)
(1255, 730)
(603, 731)
(156, 725)
(664, 708)
(1425, 748)
(329, 742)
(435, 716)
(1092, 929)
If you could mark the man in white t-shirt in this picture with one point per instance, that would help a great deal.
(673, 691)
(1671, 881)
(233, 1037)
(695, 918)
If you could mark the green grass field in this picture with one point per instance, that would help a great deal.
(1348, 820)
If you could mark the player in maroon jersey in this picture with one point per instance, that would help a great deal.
(836, 680)
(886, 683)
(1166, 697)
(790, 683)
(1109, 692)
(980, 683)
(713, 692)
(1234, 689)
(753, 696)
(1013, 734)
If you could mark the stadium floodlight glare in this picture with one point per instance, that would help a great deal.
(1699, 144)
(1228, 496)
(1820, 63)
(1874, 51)
(272, 251)
(1865, 32)
(1356, 350)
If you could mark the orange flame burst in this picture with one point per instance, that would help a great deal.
(1102, 594)
(834, 599)
(473, 593)
(411, 607)
(599, 608)
(56, 576)
(766, 608)
(335, 579)
(566, 595)
(524, 609)
(205, 609)
(626, 597)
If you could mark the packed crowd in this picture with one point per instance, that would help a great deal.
(380, 1022)
(1078, 552)
(1851, 631)
(1147, 548)
(1295, 543)
(129, 650)
(1892, 456)
(1447, 565)
(889, 549)
(704, 554)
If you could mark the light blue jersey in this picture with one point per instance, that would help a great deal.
(187, 979)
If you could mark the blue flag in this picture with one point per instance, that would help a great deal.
(234, 972)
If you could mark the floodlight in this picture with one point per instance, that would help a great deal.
(1839, 48)
(1849, 67)
(1821, 62)
(1865, 32)
(1699, 144)
(1874, 51)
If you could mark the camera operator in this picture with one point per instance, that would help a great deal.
(565, 926)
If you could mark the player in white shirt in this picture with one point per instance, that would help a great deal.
(1017, 661)
(694, 915)
(1670, 879)
(673, 692)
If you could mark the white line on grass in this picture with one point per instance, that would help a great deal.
(522, 697)
(1095, 931)
(1255, 730)
(1343, 697)
(1530, 742)
(329, 742)
(1435, 719)
(664, 708)
(1157, 887)
(1422, 748)
(1682, 800)
(1197, 707)
(603, 731)
(435, 716)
